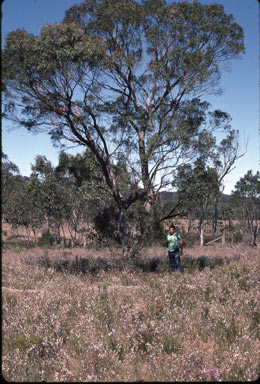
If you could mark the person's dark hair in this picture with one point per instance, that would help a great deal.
(172, 226)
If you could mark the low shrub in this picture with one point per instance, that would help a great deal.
(46, 239)
(190, 239)
(200, 263)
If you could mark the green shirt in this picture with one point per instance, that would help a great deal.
(173, 241)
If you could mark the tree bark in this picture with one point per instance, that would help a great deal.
(254, 233)
(201, 232)
(190, 225)
(215, 218)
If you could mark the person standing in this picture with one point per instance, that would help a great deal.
(175, 249)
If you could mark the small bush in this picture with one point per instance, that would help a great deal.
(190, 240)
(237, 237)
(154, 264)
(191, 264)
(46, 239)
(171, 344)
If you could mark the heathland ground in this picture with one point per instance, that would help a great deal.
(86, 315)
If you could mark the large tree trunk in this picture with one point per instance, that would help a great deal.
(149, 200)
(130, 235)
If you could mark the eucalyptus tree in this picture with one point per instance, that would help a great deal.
(228, 215)
(11, 180)
(246, 196)
(122, 78)
(197, 186)
(227, 152)
(27, 208)
(84, 190)
(51, 195)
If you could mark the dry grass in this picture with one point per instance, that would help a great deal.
(87, 316)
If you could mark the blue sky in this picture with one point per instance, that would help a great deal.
(240, 84)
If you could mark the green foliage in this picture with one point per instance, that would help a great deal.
(246, 199)
(238, 237)
(246, 195)
(79, 169)
(46, 239)
(171, 344)
(197, 187)
(105, 222)
(234, 271)
(192, 265)
(10, 301)
(190, 239)
(11, 182)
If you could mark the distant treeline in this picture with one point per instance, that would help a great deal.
(71, 203)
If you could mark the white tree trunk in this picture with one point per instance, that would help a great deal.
(201, 233)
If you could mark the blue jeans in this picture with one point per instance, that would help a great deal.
(174, 260)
